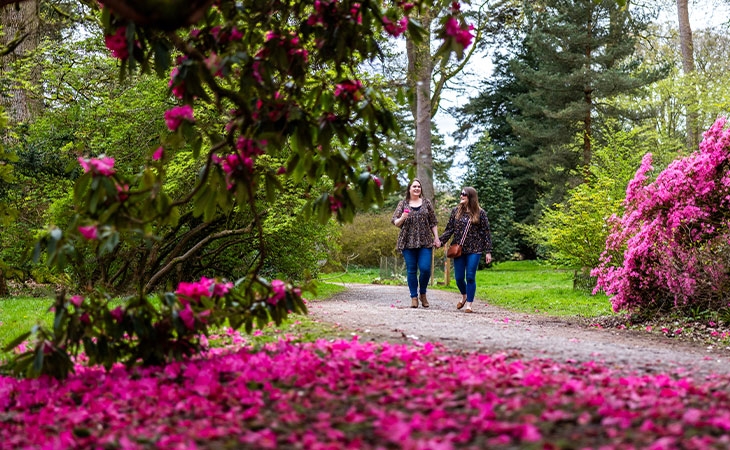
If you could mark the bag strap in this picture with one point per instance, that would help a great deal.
(466, 230)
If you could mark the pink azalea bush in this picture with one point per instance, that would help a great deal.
(671, 247)
(348, 394)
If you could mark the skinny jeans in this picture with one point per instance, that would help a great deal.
(418, 269)
(465, 274)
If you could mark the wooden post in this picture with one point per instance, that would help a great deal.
(447, 273)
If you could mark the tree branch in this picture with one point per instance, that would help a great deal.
(190, 253)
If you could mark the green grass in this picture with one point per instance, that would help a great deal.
(19, 314)
(528, 286)
(364, 275)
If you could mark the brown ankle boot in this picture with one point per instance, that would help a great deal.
(424, 300)
(414, 302)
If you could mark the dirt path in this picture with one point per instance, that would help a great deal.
(383, 313)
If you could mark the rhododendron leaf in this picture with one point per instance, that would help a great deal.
(196, 144)
(162, 57)
(37, 367)
(17, 341)
(81, 186)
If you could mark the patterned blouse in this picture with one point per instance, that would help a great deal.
(479, 238)
(416, 231)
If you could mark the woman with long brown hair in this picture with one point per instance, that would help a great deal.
(468, 217)
(418, 235)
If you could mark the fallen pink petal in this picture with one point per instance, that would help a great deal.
(314, 393)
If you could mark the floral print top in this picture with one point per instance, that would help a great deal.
(416, 231)
(479, 238)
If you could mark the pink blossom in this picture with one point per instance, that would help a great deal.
(98, 166)
(117, 43)
(89, 232)
(177, 87)
(187, 317)
(195, 290)
(174, 117)
(77, 300)
(158, 154)
(395, 29)
(117, 313)
(221, 289)
(462, 35)
(349, 89)
(335, 204)
(278, 288)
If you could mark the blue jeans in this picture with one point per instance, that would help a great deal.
(417, 259)
(465, 266)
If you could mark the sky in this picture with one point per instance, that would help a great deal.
(703, 13)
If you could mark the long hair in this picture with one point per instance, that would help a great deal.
(408, 189)
(471, 207)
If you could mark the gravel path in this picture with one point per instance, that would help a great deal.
(378, 312)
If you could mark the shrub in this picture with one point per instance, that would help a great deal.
(670, 249)
(367, 238)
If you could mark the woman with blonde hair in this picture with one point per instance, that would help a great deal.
(468, 225)
(418, 235)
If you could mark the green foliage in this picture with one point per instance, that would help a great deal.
(149, 330)
(495, 197)
(367, 238)
(272, 112)
(573, 233)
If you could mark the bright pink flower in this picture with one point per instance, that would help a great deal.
(177, 87)
(158, 154)
(117, 43)
(278, 288)
(98, 166)
(187, 317)
(335, 203)
(117, 313)
(349, 89)
(77, 300)
(221, 289)
(174, 117)
(395, 29)
(194, 291)
(89, 232)
(462, 35)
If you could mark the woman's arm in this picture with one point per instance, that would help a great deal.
(449, 231)
(399, 216)
(484, 225)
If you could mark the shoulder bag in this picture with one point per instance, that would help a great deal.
(454, 250)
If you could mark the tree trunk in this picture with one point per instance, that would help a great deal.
(688, 66)
(420, 72)
(18, 21)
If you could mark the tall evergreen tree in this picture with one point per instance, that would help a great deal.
(546, 99)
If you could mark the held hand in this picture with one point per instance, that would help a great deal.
(488, 258)
(437, 242)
